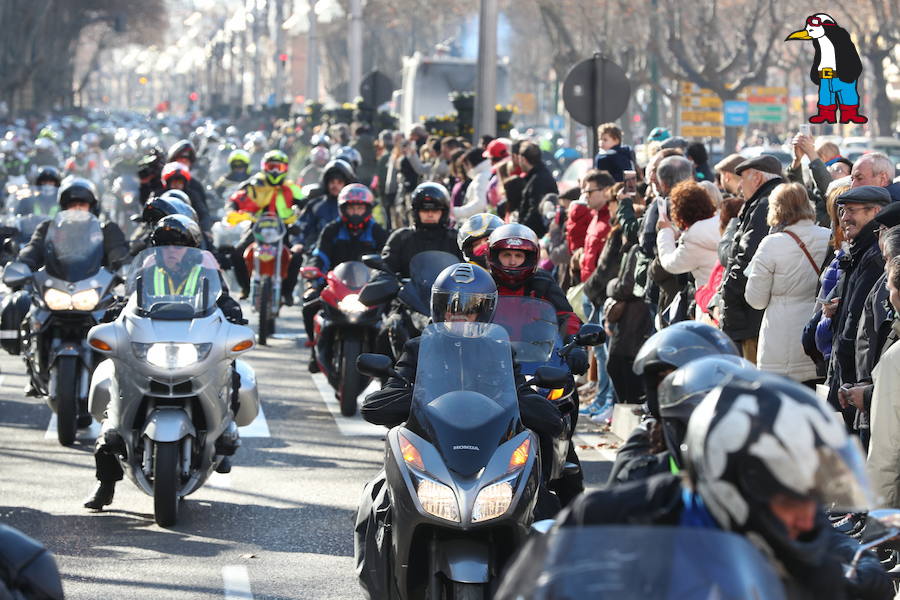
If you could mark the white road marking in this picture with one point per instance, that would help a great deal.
(88, 434)
(237, 582)
(354, 426)
(259, 428)
(221, 481)
(584, 438)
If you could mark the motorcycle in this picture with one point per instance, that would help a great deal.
(462, 474)
(411, 312)
(125, 195)
(631, 562)
(267, 260)
(536, 339)
(172, 390)
(69, 295)
(344, 328)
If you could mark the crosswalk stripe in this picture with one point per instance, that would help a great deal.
(88, 434)
(354, 426)
(237, 582)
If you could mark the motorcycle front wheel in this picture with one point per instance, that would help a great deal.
(265, 309)
(66, 399)
(352, 382)
(166, 479)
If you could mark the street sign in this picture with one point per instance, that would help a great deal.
(596, 91)
(376, 88)
(556, 122)
(701, 111)
(691, 131)
(768, 104)
(737, 113)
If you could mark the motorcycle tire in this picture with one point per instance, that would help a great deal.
(166, 479)
(265, 308)
(352, 382)
(66, 400)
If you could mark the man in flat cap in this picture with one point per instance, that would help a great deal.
(740, 321)
(860, 270)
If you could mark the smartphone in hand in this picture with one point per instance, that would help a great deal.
(661, 208)
(629, 178)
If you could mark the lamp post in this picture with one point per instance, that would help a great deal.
(486, 90)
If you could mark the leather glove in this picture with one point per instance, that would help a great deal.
(577, 359)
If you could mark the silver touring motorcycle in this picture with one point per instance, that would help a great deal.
(172, 387)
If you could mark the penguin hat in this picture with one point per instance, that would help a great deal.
(836, 68)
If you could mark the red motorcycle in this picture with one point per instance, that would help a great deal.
(344, 329)
(267, 260)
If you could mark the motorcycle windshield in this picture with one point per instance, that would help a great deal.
(268, 229)
(353, 274)
(640, 563)
(74, 245)
(174, 283)
(464, 399)
(531, 325)
(423, 270)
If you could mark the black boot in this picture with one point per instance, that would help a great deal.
(224, 465)
(102, 496)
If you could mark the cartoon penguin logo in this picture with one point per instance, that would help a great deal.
(836, 68)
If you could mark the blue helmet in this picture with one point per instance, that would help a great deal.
(659, 134)
(461, 291)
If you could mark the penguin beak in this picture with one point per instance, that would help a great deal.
(799, 35)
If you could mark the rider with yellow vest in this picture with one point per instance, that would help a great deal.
(266, 192)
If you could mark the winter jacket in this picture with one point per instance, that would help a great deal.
(883, 463)
(815, 189)
(538, 183)
(874, 327)
(594, 240)
(406, 242)
(115, 248)
(695, 252)
(336, 245)
(860, 269)
(894, 190)
(621, 239)
(782, 282)
(740, 320)
(542, 286)
(475, 200)
(615, 161)
(578, 218)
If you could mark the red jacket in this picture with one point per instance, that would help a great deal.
(578, 217)
(594, 240)
(541, 285)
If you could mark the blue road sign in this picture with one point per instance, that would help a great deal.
(737, 113)
(557, 123)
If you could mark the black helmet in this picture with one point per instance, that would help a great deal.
(463, 289)
(749, 443)
(682, 390)
(431, 196)
(171, 202)
(336, 168)
(181, 202)
(77, 189)
(48, 173)
(151, 164)
(674, 347)
(474, 229)
(176, 230)
(182, 148)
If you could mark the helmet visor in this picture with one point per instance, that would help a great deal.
(462, 306)
(275, 167)
(840, 481)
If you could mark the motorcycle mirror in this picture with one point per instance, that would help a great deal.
(379, 292)
(376, 365)
(889, 517)
(590, 334)
(374, 261)
(550, 377)
(15, 274)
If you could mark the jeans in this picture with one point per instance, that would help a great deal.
(834, 91)
(604, 386)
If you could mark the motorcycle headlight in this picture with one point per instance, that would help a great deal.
(57, 299)
(351, 305)
(493, 501)
(85, 300)
(437, 499)
(171, 355)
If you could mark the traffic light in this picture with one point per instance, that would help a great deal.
(194, 96)
(283, 58)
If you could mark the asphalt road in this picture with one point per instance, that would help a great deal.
(278, 526)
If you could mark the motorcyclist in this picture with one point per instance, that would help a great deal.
(463, 292)
(662, 353)
(318, 158)
(78, 194)
(170, 202)
(473, 234)
(321, 203)
(267, 191)
(27, 569)
(431, 229)
(349, 238)
(764, 459)
(170, 276)
(239, 165)
(184, 152)
(79, 164)
(149, 173)
(45, 152)
(43, 201)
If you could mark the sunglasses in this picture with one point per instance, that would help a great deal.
(817, 22)
(276, 166)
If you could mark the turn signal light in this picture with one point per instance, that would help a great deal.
(555, 394)
(411, 455)
(520, 456)
(100, 345)
(240, 347)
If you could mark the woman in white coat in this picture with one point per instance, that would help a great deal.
(782, 279)
(479, 171)
(696, 252)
